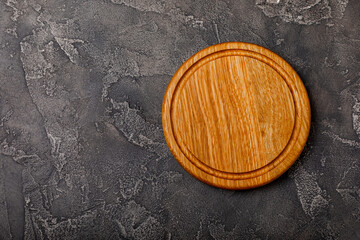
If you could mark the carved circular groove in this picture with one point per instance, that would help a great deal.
(236, 115)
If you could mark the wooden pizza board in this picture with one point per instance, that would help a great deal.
(236, 115)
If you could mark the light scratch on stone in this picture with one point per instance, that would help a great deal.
(335, 137)
(137, 130)
(313, 199)
(303, 12)
(67, 45)
(216, 32)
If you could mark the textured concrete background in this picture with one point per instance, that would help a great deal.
(82, 149)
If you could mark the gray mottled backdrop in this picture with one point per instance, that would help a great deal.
(82, 152)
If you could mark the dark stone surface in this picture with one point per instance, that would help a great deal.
(82, 152)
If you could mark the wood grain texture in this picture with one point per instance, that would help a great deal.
(236, 115)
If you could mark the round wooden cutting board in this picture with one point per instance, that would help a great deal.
(236, 115)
